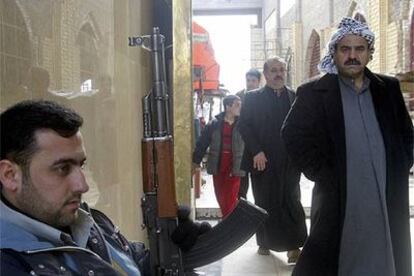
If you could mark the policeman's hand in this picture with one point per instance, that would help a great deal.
(259, 161)
(187, 231)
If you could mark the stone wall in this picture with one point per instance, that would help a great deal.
(389, 19)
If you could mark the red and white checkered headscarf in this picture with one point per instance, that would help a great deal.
(346, 27)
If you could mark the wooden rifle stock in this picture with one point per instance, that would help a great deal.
(158, 167)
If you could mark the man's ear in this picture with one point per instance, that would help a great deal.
(10, 175)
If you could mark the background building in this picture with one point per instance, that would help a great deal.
(301, 34)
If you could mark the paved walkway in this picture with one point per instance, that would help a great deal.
(207, 205)
(245, 261)
(207, 200)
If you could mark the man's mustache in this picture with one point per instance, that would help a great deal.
(352, 62)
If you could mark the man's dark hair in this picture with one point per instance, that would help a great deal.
(19, 123)
(229, 100)
(254, 73)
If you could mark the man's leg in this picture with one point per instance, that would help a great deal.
(259, 193)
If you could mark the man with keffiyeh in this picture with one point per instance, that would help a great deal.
(349, 131)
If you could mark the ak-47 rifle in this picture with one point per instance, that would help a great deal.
(159, 203)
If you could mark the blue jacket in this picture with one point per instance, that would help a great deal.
(30, 247)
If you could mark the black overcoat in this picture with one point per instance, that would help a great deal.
(314, 134)
(277, 191)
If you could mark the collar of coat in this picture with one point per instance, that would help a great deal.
(290, 91)
(330, 81)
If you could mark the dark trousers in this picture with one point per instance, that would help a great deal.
(285, 228)
(244, 186)
(261, 187)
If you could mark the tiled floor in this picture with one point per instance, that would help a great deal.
(245, 261)
(208, 200)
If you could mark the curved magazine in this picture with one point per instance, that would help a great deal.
(226, 236)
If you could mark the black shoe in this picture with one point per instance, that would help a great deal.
(263, 251)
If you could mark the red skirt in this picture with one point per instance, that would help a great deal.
(226, 186)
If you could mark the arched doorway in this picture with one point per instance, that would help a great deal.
(313, 55)
(88, 58)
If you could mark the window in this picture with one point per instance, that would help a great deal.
(15, 57)
(88, 59)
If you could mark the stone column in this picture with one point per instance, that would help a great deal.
(183, 100)
(297, 46)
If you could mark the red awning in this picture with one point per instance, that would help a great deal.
(205, 68)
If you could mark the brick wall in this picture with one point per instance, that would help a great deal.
(392, 48)
(257, 54)
(374, 23)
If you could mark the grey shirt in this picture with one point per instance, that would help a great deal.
(366, 247)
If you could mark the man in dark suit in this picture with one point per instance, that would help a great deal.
(275, 182)
(349, 131)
